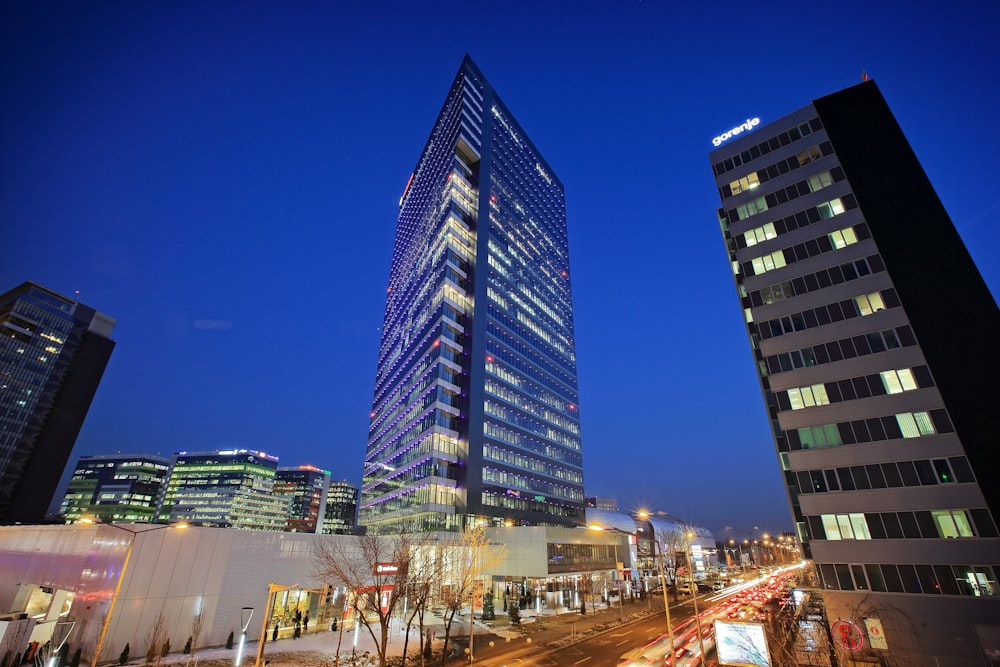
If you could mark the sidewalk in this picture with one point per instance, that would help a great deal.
(536, 631)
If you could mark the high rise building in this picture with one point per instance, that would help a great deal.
(874, 338)
(224, 489)
(305, 487)
(53, 352)
(475, 415)
(119, 487)
(341, 509)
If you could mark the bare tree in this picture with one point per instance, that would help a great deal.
(197, 624)
(156, 636)
(465, 561)
(374, 568)
(423, 571)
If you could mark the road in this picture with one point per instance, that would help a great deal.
(596, 650)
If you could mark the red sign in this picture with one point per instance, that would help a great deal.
(847, 635)
(386, 568)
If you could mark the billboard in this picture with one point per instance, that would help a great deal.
(741, 644)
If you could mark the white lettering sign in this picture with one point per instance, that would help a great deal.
(744, 127)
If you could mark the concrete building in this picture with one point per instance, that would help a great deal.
(476, 413)
(873, 336)
(53, 352)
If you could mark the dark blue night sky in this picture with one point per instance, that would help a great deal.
(223, 178)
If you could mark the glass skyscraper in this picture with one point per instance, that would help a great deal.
(475, 417)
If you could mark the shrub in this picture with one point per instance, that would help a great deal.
(123, 658)
(514, 613)
(229, 640)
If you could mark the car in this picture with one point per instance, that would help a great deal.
(704, 587)
(684, 588)
(718, 586)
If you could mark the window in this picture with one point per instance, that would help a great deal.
(843, 238)
(819, 436)
(952, 523)
(809, 155)
(748, 182)
(820, 181)
(760, 234)
(830, 208)
(806, 397)
(898, 381)
(775, 260)
(869, 303)
(754, 207)
(845, 527)
(915, 424)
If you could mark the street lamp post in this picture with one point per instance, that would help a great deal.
(661, 546)
(694, 595)
(121, 576)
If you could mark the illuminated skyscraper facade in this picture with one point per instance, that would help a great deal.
(341, 508)
(224, 489)
(305, 487)
(874, 337)
(475, 416)
(53, 352)
(113, 488)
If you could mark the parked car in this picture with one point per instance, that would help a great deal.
(704, 587)
(684, 588)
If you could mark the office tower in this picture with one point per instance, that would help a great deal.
(597, 502)
(874, 338)
(225, 489)
(475, 415)
(341, 509)
(53, 351)
(118, 487)
(305, 487)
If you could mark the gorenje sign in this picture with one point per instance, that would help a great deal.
(744, 127)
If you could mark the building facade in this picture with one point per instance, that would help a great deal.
(475, 415)
(224, 489)
(53, 352)
(115, 488)
(305, 487)
(341, 509)
(873, 337)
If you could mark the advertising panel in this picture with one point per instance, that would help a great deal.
(741, 644)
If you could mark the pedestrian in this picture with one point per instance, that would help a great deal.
(333, 626)
(305, 624)
(274, 635)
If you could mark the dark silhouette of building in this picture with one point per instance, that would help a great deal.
(53, 352)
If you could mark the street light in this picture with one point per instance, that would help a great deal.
(121, 574)
(245, 615)
(621, 608)
(663, 583)
(694, 595)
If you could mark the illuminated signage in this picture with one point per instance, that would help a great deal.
(742, 644)
(386, 568)
(743, 127)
